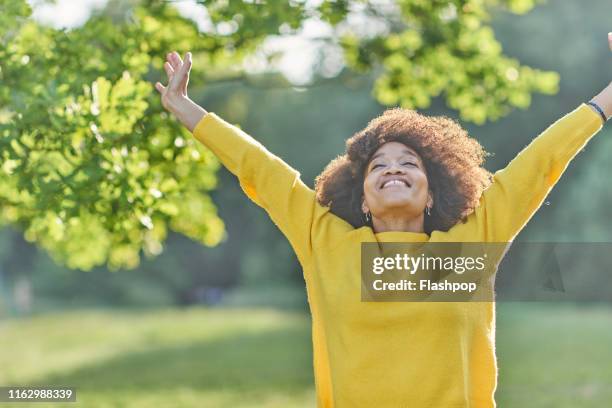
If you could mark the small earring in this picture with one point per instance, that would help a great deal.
(428, 211)
(368, 216)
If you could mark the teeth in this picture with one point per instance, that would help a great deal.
(394, 182)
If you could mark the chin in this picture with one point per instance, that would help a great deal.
(397, 200)
(398, 204)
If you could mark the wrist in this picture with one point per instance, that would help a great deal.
(178, 105)
(604, 101)
(186, 111)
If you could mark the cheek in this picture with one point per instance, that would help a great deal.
(369, 184)
(422, 179)
(419, 180)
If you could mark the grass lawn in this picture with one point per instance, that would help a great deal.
(552, 355)
(549, 356)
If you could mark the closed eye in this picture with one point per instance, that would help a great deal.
(403, 164)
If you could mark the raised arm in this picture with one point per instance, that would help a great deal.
(264, 177)
(519, 189)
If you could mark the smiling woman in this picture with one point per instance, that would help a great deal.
(417, 179)
(435, 155)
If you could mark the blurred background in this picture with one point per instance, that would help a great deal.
(134, 268)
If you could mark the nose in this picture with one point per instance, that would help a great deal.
(394, 169)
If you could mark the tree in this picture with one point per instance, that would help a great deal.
(95, 172)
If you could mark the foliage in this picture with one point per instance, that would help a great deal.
(421, 48)
(93, 171)
(448, 47)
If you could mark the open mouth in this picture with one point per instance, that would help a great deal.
(395, 183)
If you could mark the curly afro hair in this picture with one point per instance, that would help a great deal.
(453, 162)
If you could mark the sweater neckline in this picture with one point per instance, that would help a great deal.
(401, 236)
(398, 236)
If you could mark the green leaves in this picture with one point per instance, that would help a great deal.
(119, 106)
(12, 12)
(444, 48)
(96, 173)
(92, 168)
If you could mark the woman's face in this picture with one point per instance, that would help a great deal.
(395, 183)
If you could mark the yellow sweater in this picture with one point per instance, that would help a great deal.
(396, 354)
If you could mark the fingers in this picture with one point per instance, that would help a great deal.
(175, 60)
(187, 68)
(168, 68)
(160, 88)
(181, 76)
(187, 64)
(178, 73)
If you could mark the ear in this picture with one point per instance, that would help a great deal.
(364, 207)
(430, 200)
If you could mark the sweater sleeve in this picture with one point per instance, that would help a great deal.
(519, 189)
(266, 179)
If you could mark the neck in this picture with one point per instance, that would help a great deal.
(398, 224)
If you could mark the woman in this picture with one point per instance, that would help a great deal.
(404, 178)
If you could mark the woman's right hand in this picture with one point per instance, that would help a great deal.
(174, 95)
